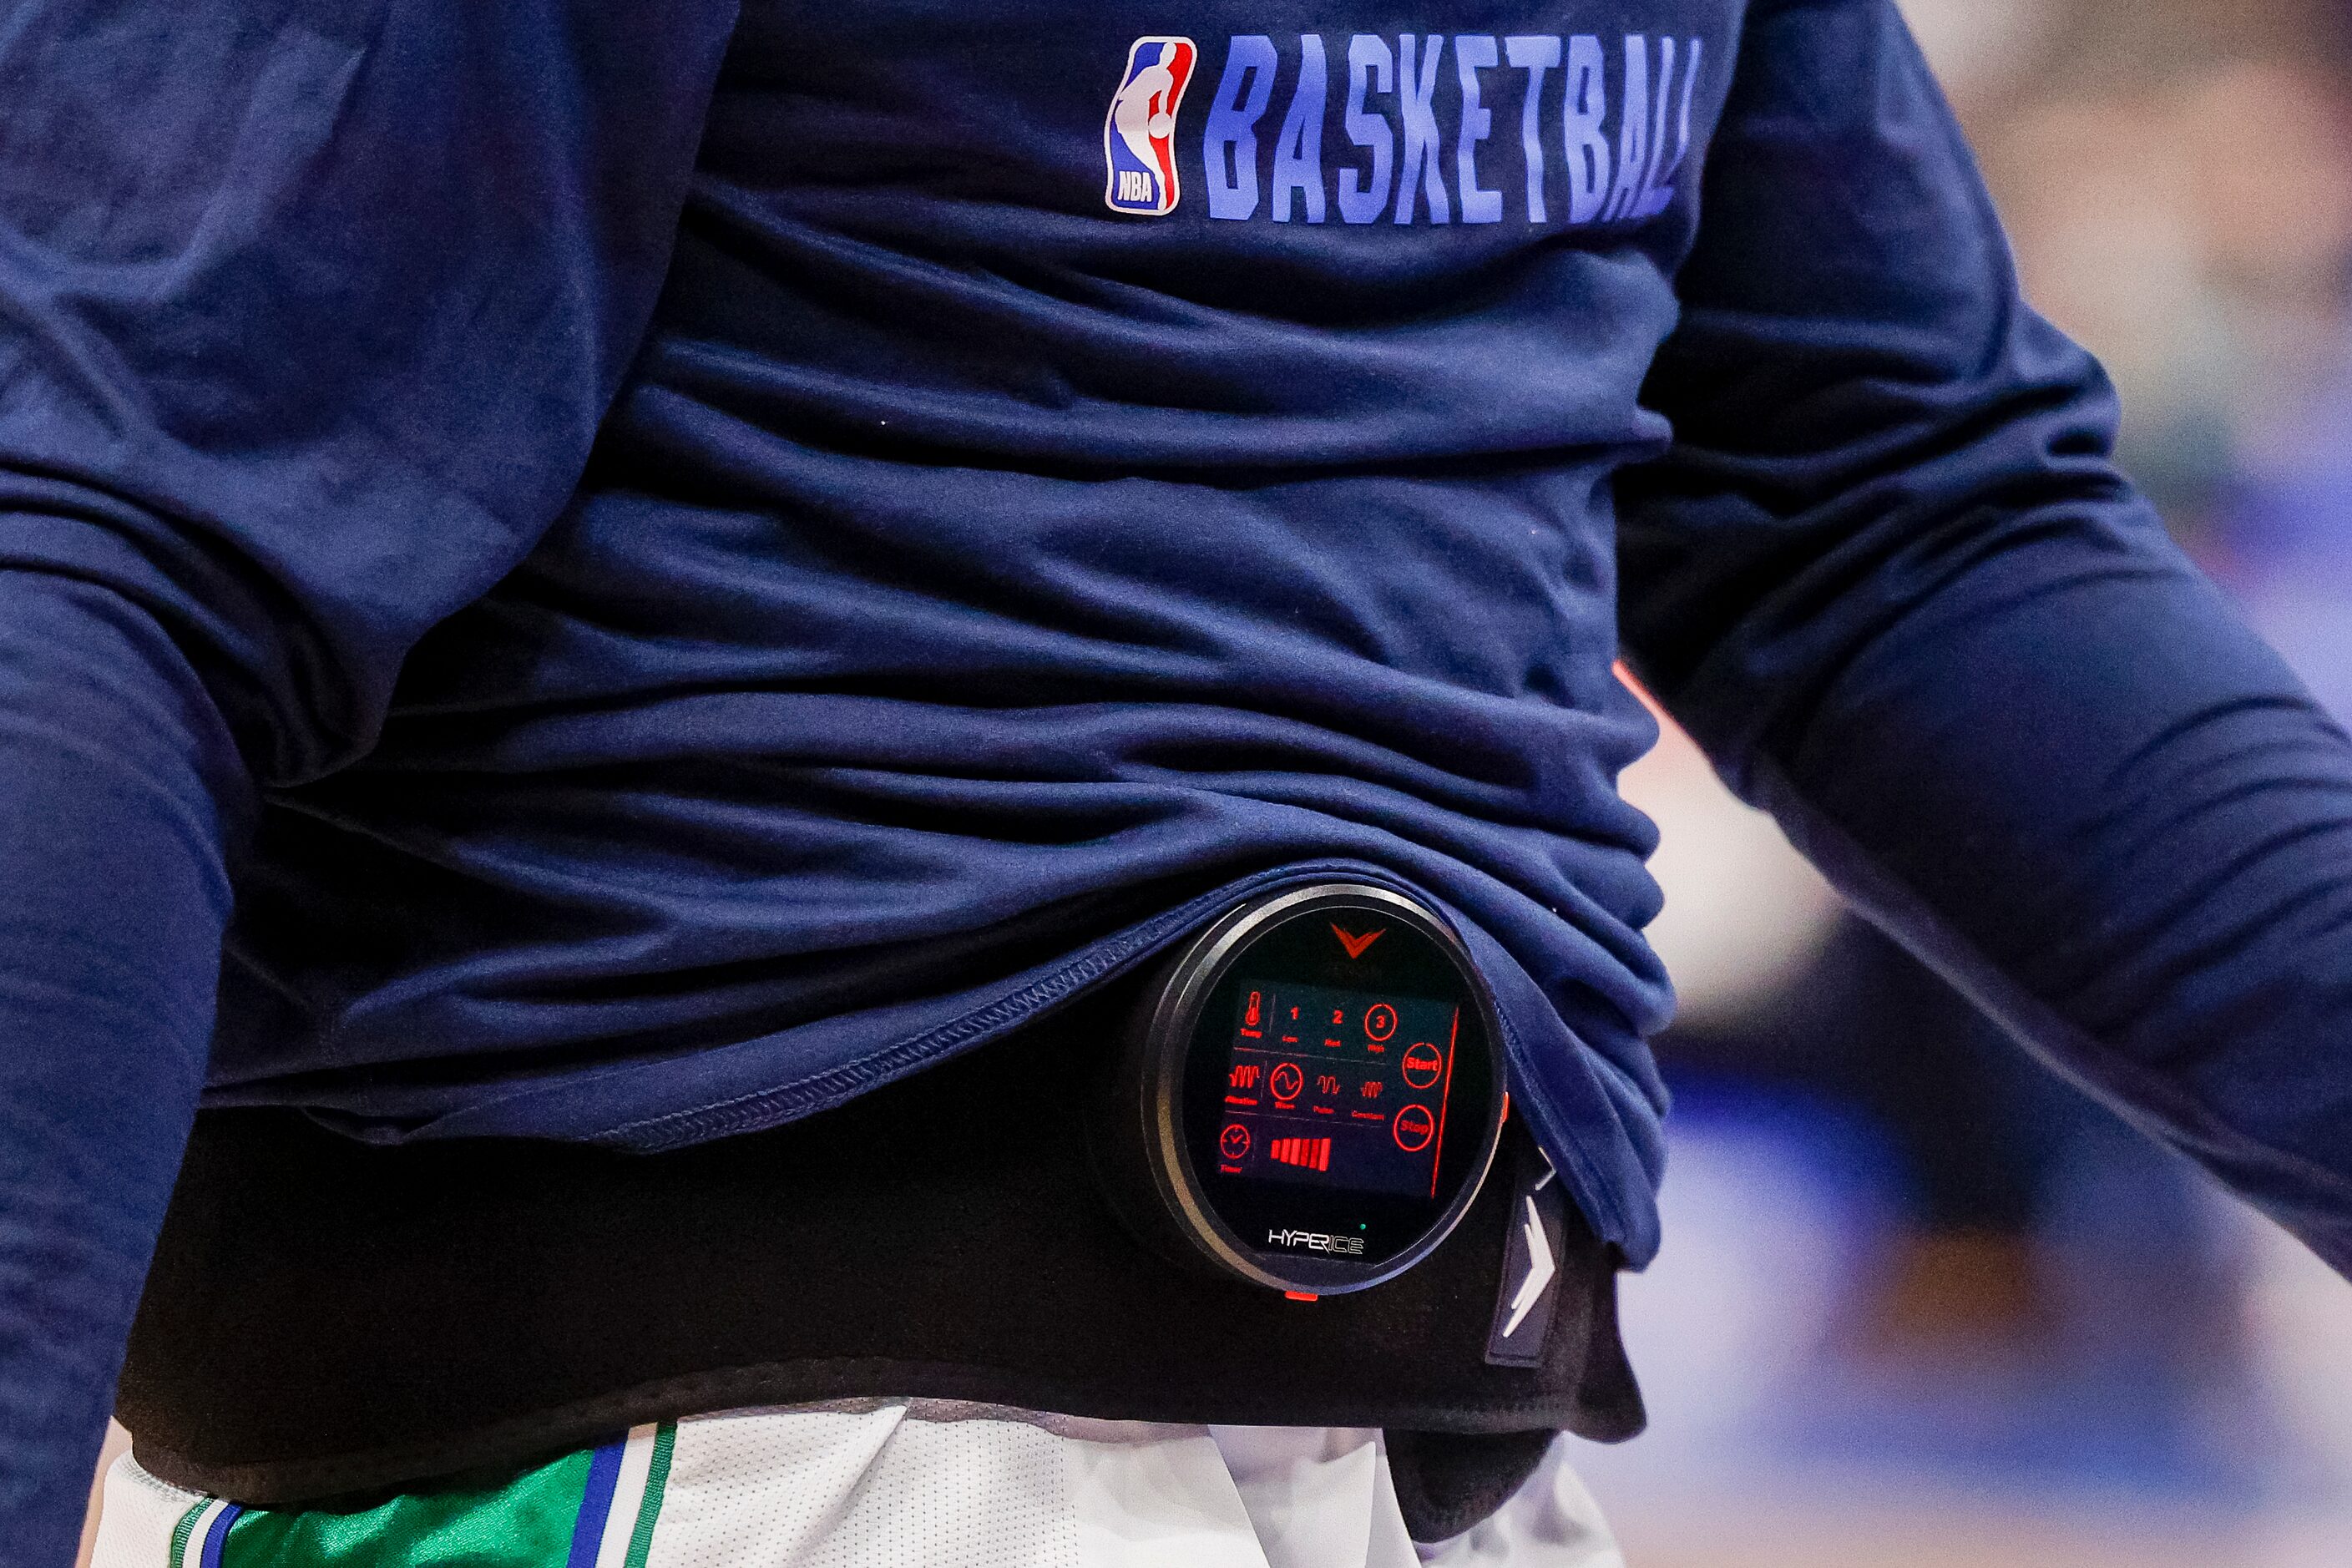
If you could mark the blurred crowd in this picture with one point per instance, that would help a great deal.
(1922, 1301)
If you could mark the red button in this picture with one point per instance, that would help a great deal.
(1422, 1064)
(1379, 1021)
(1413, 1128)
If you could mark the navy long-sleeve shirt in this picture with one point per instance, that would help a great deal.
(628, 578)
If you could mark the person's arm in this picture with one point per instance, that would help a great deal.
(308, 316)
(1889, 579)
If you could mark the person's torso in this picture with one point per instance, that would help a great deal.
(1085, 454)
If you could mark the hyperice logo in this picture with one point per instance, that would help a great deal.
(1318, 1241)
(1139, 131)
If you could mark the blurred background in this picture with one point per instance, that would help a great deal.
(1922, 1303)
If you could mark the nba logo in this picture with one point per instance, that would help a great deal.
(1140, 133)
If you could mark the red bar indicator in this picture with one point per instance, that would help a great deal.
(1309, 1154)
(1444, 1099)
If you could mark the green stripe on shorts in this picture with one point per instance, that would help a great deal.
(182, 1531)
(526, 1524)
(641, 1539)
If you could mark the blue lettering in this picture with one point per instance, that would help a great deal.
(1299, 151)
(1473, 52)
(1660, 192)
(1422, 147)
(1233, 126)
(1584, 140)
(1368, 63)
(1625, 160)
(1634, 130)
(1665, 99)
(1534, 56)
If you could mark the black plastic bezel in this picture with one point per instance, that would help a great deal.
(1185, 1037)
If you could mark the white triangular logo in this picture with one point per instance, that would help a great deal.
(1540, 1269)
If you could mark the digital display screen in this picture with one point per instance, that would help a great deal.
(1337, 1088)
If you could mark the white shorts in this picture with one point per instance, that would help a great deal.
(882, 1483)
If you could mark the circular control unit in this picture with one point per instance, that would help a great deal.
(1310, 1092)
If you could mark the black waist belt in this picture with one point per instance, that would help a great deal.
(326, 1319)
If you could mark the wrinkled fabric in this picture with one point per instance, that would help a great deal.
(874, 1484)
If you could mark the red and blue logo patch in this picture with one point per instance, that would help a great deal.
(1139, 131)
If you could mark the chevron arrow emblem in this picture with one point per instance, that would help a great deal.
(1540, 1269)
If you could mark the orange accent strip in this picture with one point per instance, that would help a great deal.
(1444, 1097)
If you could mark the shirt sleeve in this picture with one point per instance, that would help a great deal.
(1889, 579)
(308, 316)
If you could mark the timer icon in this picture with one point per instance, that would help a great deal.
(1234, 1142)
